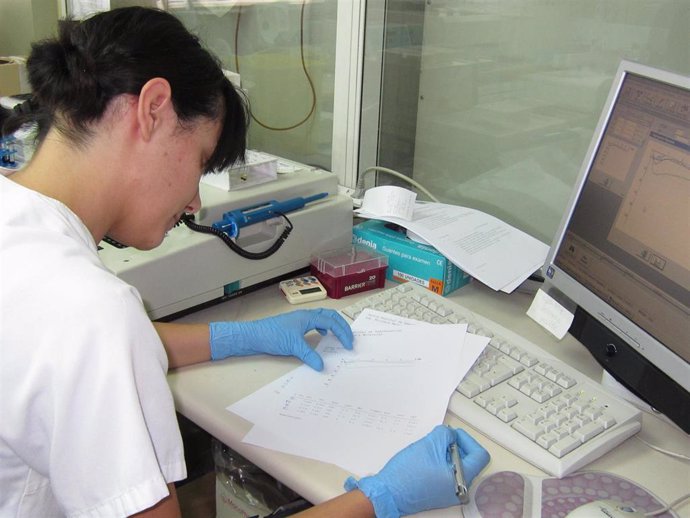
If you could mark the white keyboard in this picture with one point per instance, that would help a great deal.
(520, 396)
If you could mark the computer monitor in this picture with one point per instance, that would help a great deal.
(622, 251)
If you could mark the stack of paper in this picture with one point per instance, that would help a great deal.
(368, 403)
(490, 250)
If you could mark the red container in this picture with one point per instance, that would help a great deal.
(346, 271)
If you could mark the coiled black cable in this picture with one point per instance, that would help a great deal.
(188, 220)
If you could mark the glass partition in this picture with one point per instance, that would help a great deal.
(492, 103)
(487, 103)
(284, 52)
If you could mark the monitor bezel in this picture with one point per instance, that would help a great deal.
(559, 283)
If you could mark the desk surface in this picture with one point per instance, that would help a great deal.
(202, 393)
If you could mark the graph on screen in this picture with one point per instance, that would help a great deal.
(659, 192)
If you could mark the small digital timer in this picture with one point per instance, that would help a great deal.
(303, 289)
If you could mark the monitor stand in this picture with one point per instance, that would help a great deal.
(620, 390)
(632, 370)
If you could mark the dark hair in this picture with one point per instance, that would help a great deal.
(75, 76)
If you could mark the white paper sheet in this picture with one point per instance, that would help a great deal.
(389, 200)
(491, 251)
(368, 403)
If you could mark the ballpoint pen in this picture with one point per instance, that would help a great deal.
(460, 485)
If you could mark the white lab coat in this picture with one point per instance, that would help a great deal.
(87, 422)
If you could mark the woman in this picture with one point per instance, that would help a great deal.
(131, 110)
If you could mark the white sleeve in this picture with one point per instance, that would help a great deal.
(116, 443)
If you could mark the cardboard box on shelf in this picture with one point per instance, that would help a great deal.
(13, 79)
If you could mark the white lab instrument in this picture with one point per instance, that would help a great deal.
(190, 269)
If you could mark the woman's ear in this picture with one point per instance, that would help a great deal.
(155, 106)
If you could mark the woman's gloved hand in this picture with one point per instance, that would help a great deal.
(421, 477)
(280, 335)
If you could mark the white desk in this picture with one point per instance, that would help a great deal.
(202, 392)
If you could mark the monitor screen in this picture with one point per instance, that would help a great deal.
(622, 253)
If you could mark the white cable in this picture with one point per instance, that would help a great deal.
(661, 450)
(669, 506)
(417, 185)
(671, 454)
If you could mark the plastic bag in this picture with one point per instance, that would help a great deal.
(243, 490)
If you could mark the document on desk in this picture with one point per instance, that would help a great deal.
(368, 403)
(490, 250)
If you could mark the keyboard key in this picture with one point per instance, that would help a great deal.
(565, 446)
(482, 401)
(547, 440)
(565, 381)
(494, 406)
(547, 411)
(607, 421)
(547, 425)
(588, 431)
(506, 415)
(511, 364)
(552, 374)
(539, 396)
(444, 311)
(528, 360)
(499, 374)
(468, 389)
(528, 429)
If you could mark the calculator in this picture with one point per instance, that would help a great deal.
(303, 289)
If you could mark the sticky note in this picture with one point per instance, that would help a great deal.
(551, 315)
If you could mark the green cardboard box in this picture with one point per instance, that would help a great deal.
(408, 260)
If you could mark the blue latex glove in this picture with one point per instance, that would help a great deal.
(280, 335)
(420, 477)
